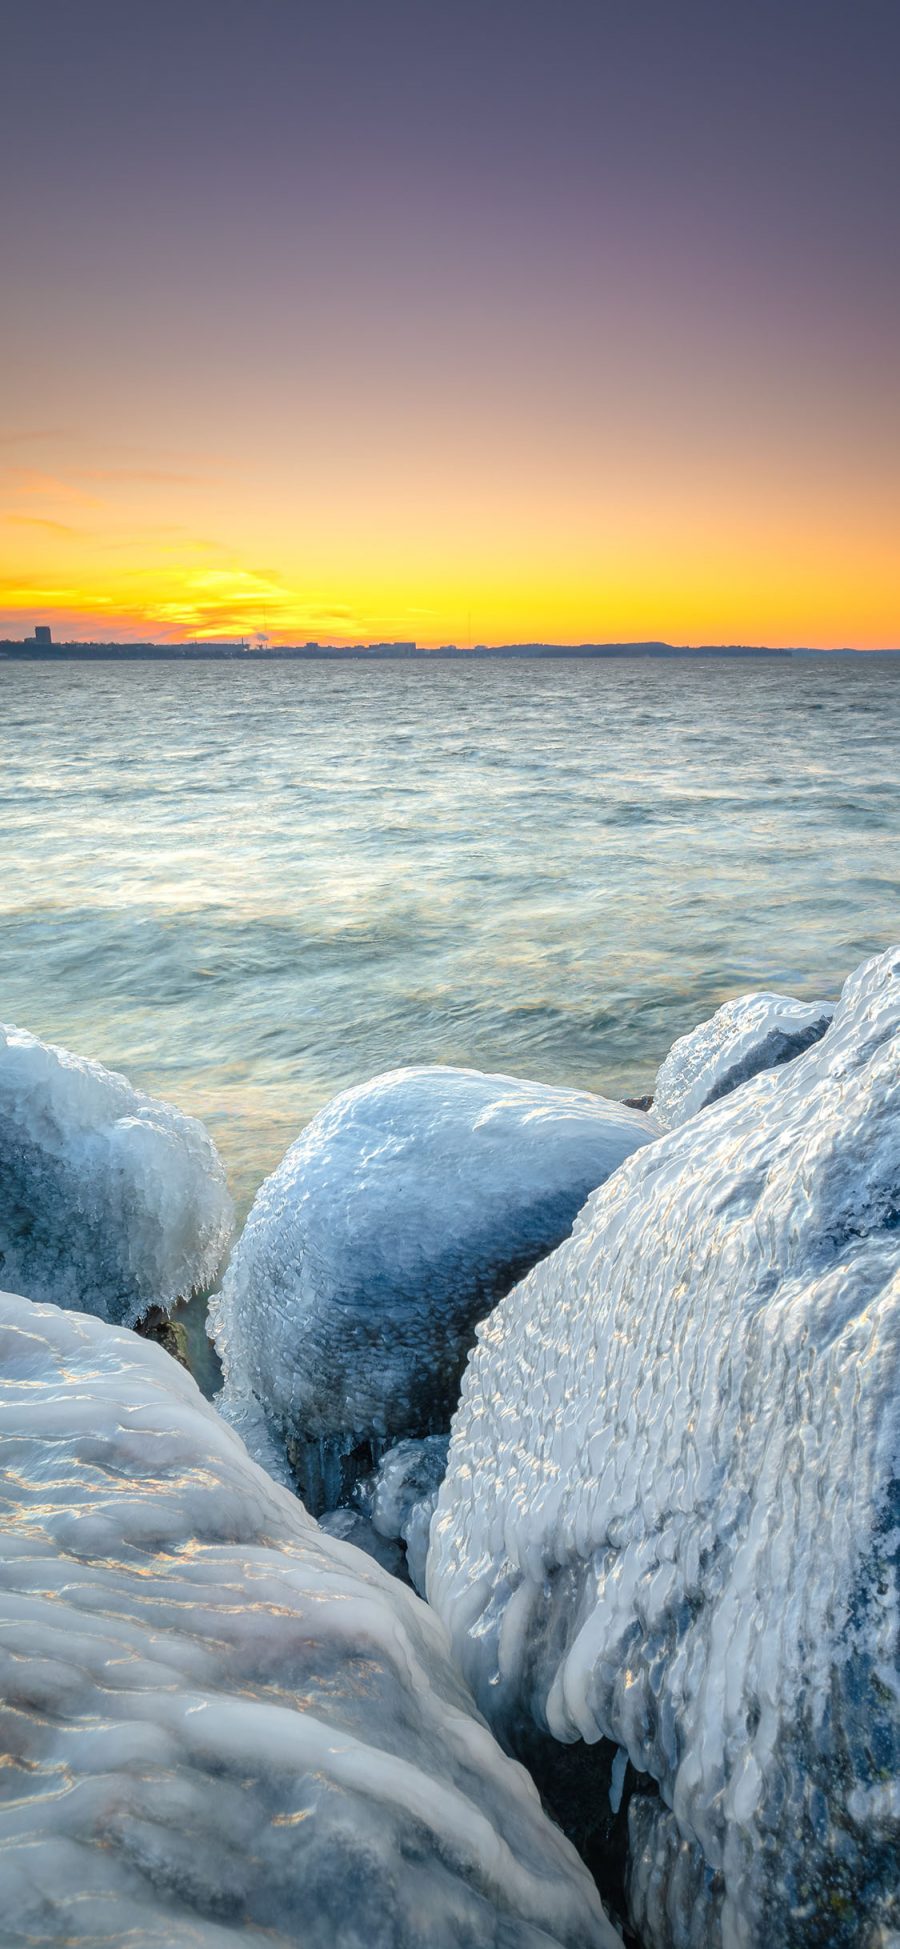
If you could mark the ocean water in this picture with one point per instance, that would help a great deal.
(250, 887)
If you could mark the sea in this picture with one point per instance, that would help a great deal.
(248, 887)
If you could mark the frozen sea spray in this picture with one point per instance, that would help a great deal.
(670, 1517)
(219, 1723)
(110, 1201)
(395, 1223)
(745, 1036)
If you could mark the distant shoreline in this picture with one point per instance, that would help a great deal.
(29, 652)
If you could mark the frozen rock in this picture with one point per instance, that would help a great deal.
(110, 1201)
(404, 1496)
(752, 1033)
(671, 1514)
(393, 1225)
(351, 1526)
(218, 1722)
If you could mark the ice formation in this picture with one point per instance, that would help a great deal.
(397, 1220)
(110, 1201)
(220, 1723)
(752, 1033)
(671, 1514)
(349, 1525)
(404, 1495)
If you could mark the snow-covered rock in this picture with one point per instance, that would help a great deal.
(749, 1034)
(219, 1724)
(671, 1514)
(110, 1201)
(395, 1223)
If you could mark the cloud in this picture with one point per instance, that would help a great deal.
(51, 487)
(20, 595)
(38, 521)
(147, 476)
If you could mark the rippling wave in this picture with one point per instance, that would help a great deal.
(249, 887)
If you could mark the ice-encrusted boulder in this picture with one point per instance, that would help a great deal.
(671, 1514)
(395, 1223)
(110, 1201)
(404, 1494)
(350, 1525)
(389, 1515)
(218, 1723)
(745, 1036)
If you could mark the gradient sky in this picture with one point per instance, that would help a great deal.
(550, 319)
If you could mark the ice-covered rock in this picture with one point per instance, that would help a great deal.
(220, 1724)
(110, 1201)
(349, 1525)
(395, 1223)
(671, 1514)
(404, 1495)
(749, 1034)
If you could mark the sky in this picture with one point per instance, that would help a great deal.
(570, 320)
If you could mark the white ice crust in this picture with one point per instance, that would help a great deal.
(745, 1036)
(110, 1201)
(404, 1495)
(220, 1724)
(394, 1224)
(671, 1516)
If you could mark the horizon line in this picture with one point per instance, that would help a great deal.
(397, 649)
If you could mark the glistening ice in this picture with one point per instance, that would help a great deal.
(395, 1222)
(111, 1201)
(671, 1516)
(745, 1036)
(219, 1722)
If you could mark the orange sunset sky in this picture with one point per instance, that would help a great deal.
(575, 325)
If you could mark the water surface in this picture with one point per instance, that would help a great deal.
(250, 886)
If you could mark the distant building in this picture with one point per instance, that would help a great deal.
(42, 635)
